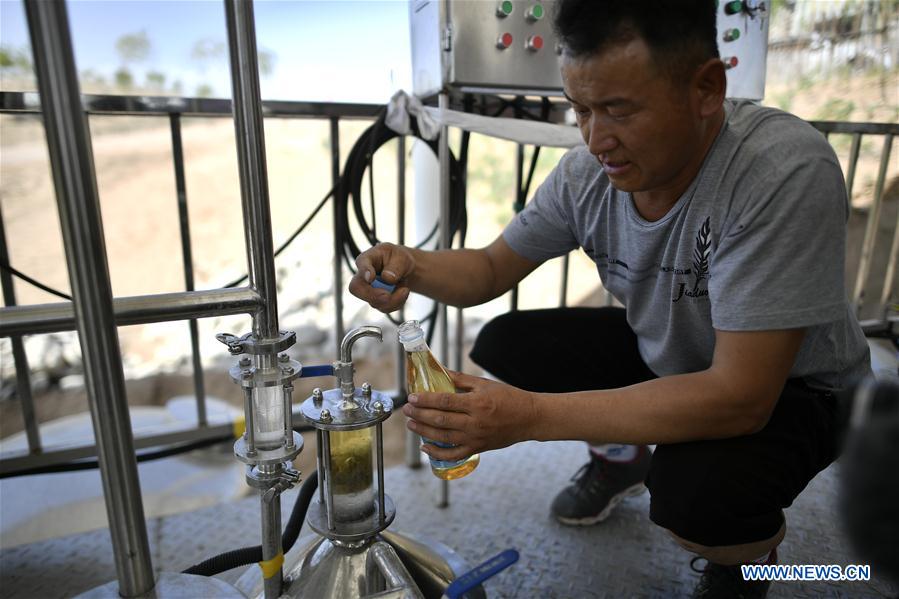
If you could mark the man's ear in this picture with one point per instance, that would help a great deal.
(710, 86)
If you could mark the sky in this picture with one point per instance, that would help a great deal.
(325, 50)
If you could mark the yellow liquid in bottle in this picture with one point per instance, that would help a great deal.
(351, 474)
(424, 373)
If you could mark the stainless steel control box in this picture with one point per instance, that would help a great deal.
(508, 46)
(480, 45)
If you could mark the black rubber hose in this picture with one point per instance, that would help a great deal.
(251, 555)
(350, 188)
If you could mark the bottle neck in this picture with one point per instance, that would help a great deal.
(416, 345)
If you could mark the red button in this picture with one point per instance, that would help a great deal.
(535, 42)
(731, 62)
(504, 41)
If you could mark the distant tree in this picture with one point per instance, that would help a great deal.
(123, 78)
(267, 60)
(16, 60)
(6, 58)
(204, 90)
(92, 82)
(156, 80)
(205, 51)
(133, 47)
(177, 87)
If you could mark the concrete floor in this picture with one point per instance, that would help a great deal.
(503, 504)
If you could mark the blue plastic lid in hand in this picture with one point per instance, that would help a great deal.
(378, 283)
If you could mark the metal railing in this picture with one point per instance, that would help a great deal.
(191, 304)
(16, 321)
(886, 301)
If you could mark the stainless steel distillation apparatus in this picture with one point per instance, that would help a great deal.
(352, 554)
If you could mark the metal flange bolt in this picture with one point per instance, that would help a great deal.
(326, 416)
(317, 397)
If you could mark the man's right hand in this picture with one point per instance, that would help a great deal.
(394, 264)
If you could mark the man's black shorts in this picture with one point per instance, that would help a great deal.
(714, 493)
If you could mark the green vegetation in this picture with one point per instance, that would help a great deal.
(836, 109)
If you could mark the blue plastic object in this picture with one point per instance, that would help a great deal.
(378, 283)
(323, 370)
(479, 574)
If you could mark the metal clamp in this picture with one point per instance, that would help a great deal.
(273, 482)
(249, 344)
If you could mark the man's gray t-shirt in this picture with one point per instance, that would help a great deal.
(756, 243)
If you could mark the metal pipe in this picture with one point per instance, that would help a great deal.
(853, 163)
(271, 535)
(563, 295)
(887, 291)
(338, 249)
(250, 137)
(397, 580)
(864, 266)
(890, 274)
(319, 449)
(140, 309)
(460, 338)
(71, 161)
(445, 239)
(519, 204)
(249, 431)
(188, 261)
(19, 357)
(346, 345)
(288, 416)
(445, 243)
(325, 476)
(413, 454)
(379, 444)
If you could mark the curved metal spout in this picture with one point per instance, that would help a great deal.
(346, 346)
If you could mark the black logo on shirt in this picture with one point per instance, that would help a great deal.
(700, 263)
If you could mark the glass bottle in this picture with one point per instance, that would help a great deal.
(425, 373)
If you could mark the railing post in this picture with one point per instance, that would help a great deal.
(864, 267)
(20, 359)
(71, 161)
(187, 259)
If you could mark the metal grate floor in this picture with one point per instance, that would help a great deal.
(503, 504)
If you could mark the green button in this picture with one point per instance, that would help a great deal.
(731, 35)
(507, 7)
(733, 8)
(538, 11)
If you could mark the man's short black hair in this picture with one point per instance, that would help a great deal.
(680, 33)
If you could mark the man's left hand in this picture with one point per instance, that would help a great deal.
(482, 415)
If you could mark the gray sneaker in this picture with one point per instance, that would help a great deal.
(599, 486)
